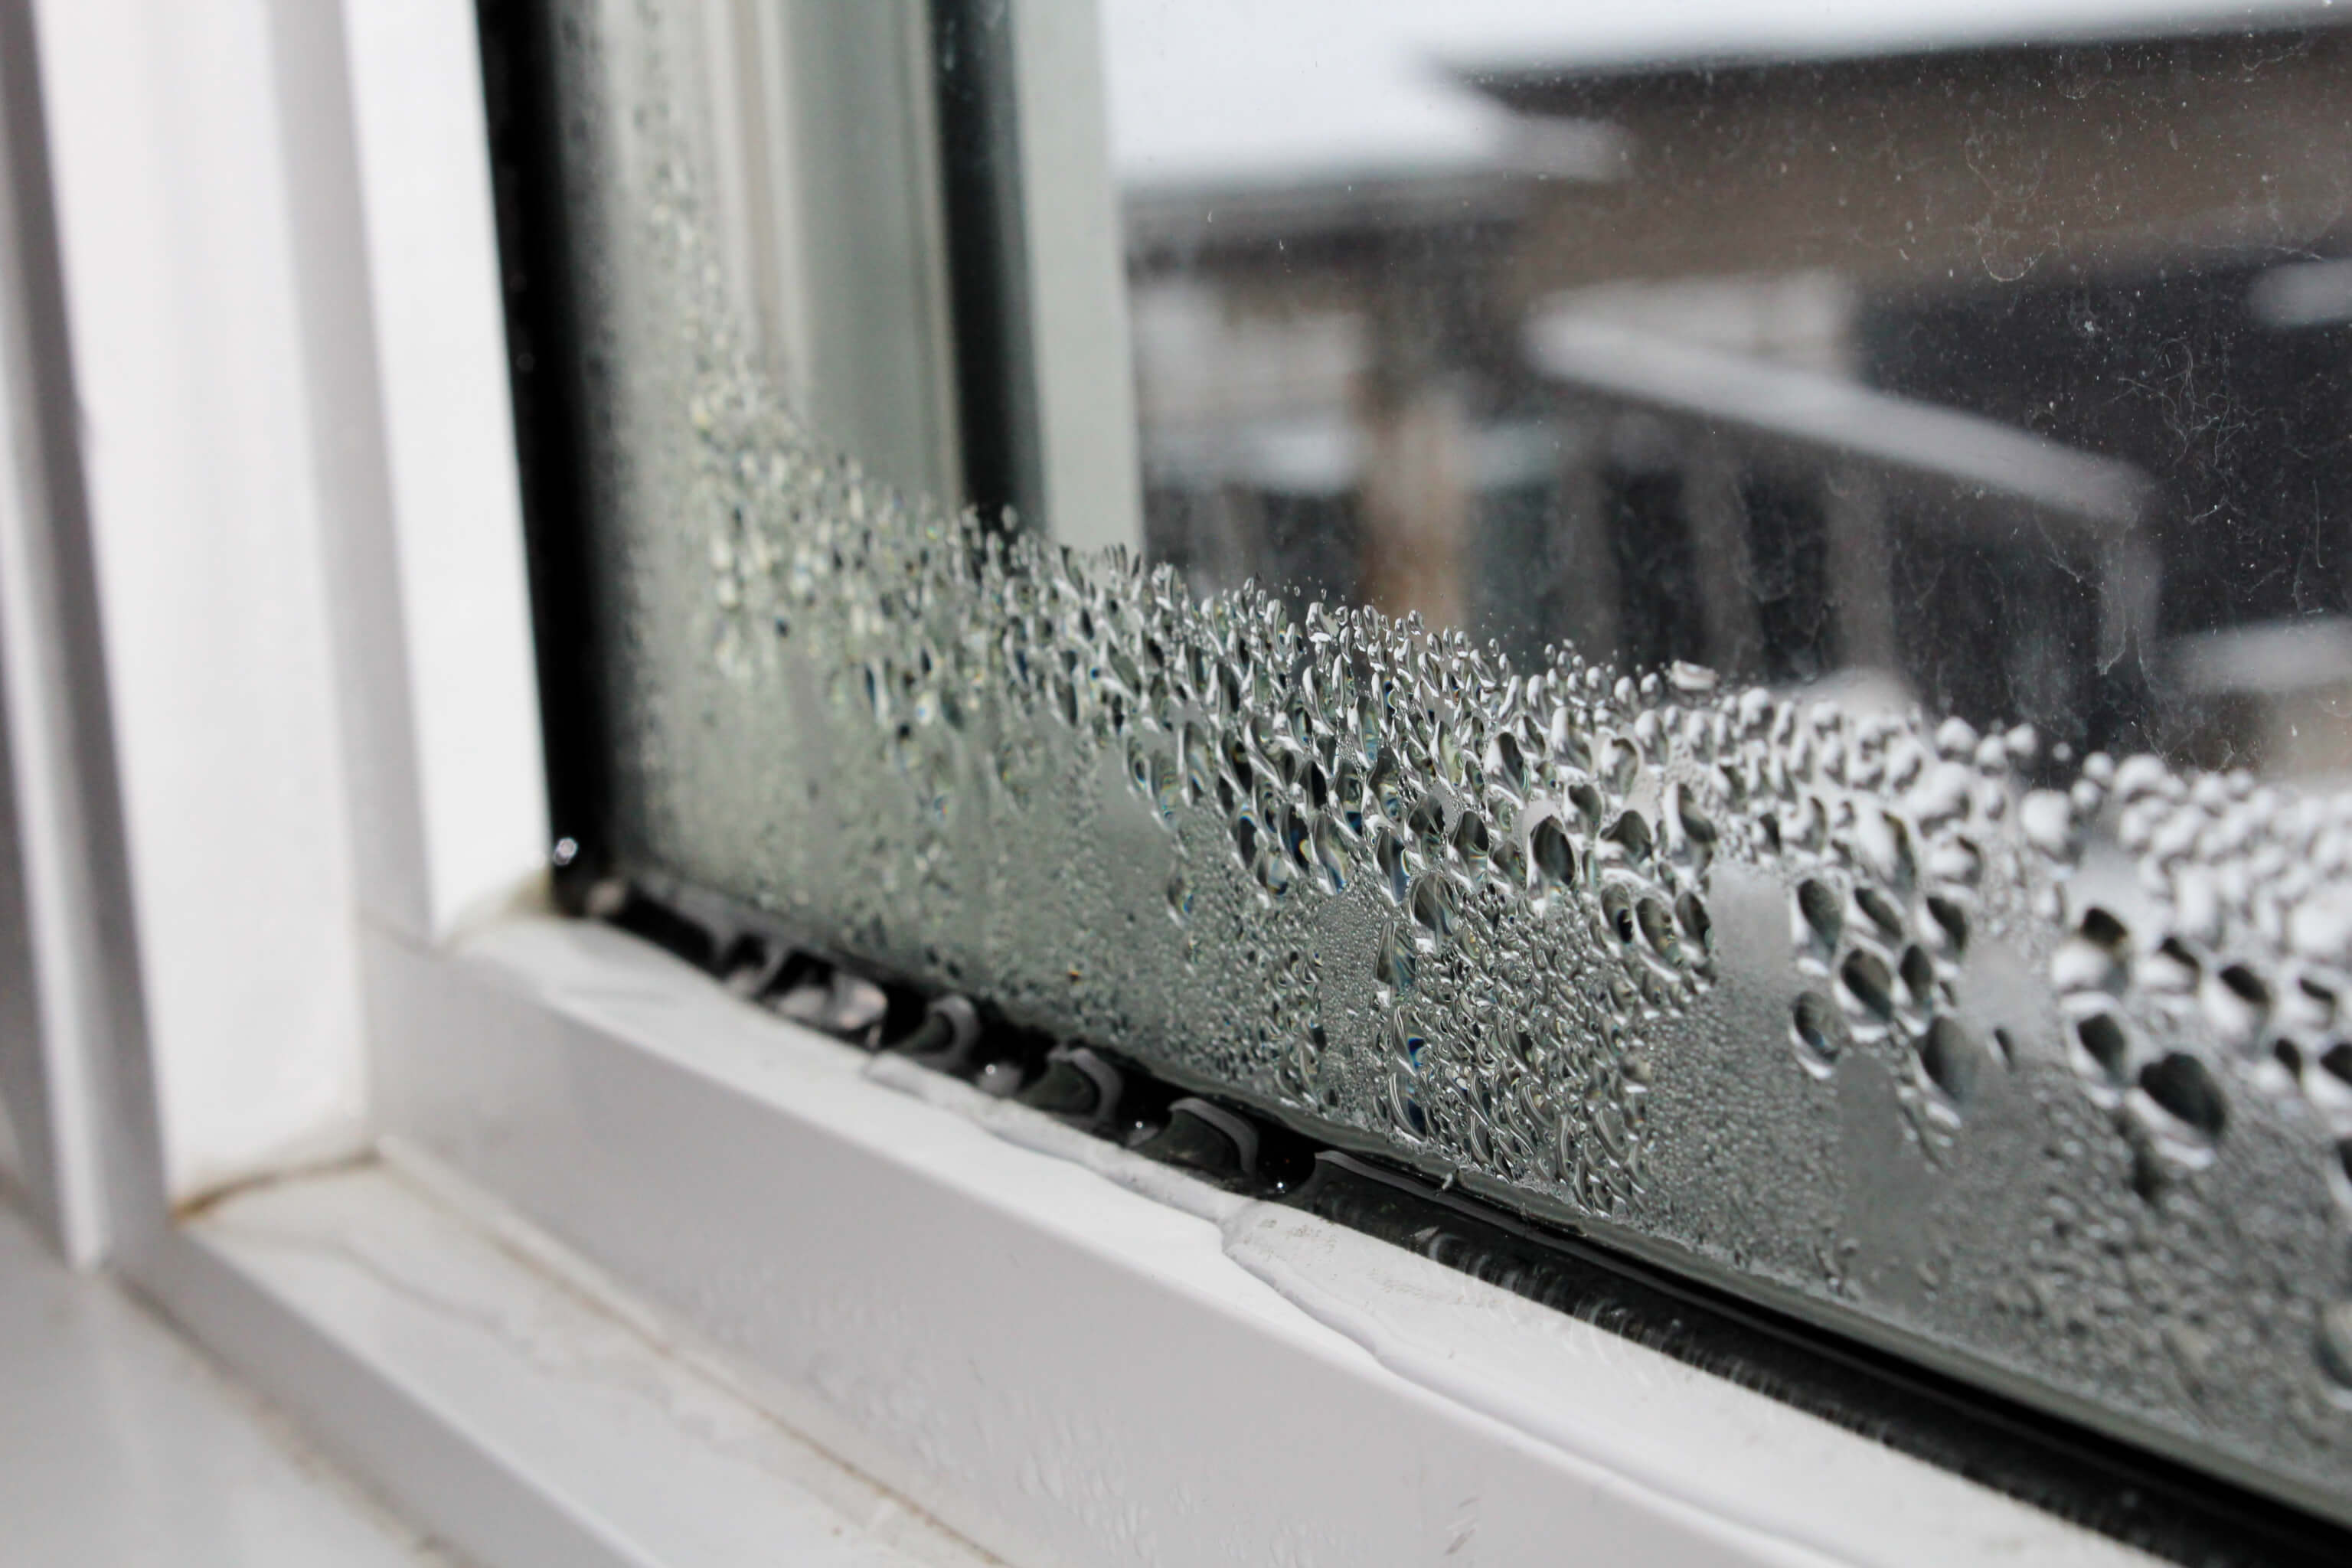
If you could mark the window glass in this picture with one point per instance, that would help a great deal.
(1738, 640)
(1985, 356)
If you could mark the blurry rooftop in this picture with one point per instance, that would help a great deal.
(1234, 95)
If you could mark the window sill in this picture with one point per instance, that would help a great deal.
(1057, 1365)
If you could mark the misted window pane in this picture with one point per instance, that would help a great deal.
(1787, 713)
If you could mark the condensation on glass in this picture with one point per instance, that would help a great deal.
(1786, 712)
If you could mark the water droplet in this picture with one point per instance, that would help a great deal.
(1273, 867)
(1867, 984)
(2185, 1090)
(1885, 847)
(1942, 795)
(1331, 853)
(2197, 907)
(1179, 897)
(1631, 835)
(2080, 965)
(1398, 963)
(1167, 785)
(1919, 976)
(1698, 829)
(1691, 679)
(1690, 910)
(2047, 819)
(2102, 928)
(1818, 1032)
(1295, 841)
(1950, 924)
(1470, 840)
(1617, 911)
(1434, 903)
(1508, 863)
(1426, 822)
(1387, 853)
(1822, 918)
(2320, 929)
(1508, 764)
(1553, 858)
(2335, 1345)
(1956, 739)
(2237, 1004)
(1950, 1059)
(1621, 764)
(2171, 969)
(1881, 911)
(1658, 929)
(2106, 1047)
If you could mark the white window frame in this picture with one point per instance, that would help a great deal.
(283, 813)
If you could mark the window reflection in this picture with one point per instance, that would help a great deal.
(1991, 357)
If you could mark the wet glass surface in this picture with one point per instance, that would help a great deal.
(1786, 718)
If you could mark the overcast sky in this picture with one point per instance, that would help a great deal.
(1219, 90)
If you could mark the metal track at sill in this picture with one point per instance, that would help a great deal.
(2142, 1500)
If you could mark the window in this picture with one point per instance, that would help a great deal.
(1726, 629)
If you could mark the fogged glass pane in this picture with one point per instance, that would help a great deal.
(1993, 357)
(1784, 719)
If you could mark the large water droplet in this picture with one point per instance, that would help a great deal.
(1657, 926)
(1918, 973)
(1398, 962)
(1167, 786)
(1630, 835)
(2047, 818)
(1617, 911)
(1331, 852)
(1549, 851)
(1950, 1058)
(1885, 845)
(2105, 1048)
(1387, 853)
(1881, 912)
(2335, 1345)
(1866, 984)
(1948, 924)
(1471, 839)
(1818, 1032)
(1434, 903)
(1690, 910)
(2237, 1004)
(2185, 1090)
(1821, 920)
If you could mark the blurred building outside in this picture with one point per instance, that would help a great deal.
(2009, 377)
